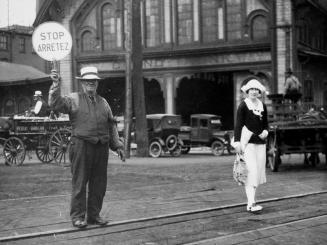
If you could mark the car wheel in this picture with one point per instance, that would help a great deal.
(217, 148)
(177, 151)
(171, 142)
(155, 149)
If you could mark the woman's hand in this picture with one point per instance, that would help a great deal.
(237, 147)
(263, 135)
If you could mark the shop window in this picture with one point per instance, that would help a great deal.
(185, 21)
(152, 22)
(259, 27)
(303, 31)
(3, 42)
(234, 19)
(9, 108)
(111, 26)
(87, 41)
(212, 13)
(308, 91)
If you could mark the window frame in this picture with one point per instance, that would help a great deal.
(22, 45)
(119, 6)
(249, 25)
(4, 42)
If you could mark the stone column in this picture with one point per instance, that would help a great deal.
(169, 95)
(284, 42)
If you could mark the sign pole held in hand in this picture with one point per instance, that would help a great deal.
(52, 42)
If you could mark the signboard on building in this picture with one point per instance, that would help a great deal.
(51, 41)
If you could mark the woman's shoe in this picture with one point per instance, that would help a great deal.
(254, 208)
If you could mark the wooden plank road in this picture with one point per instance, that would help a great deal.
(141, 190)
(225, 225)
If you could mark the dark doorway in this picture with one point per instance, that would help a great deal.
(113, 90)
(154, 100)
(210, 93)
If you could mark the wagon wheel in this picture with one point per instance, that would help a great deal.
(155, 149)
(171, 142)
(42, 151)
(217, 147)
(273, 155)
(14, 151)
(177, 151)
(59, 146)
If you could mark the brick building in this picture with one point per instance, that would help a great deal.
(16, 47)
(22, 71)
(196, 53)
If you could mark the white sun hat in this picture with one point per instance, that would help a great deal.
(89, 73)
(253, 83)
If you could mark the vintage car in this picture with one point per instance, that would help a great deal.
(163, 132)
(205, 130)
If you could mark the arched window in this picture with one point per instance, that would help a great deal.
(152, 22)
(185, 21)
(111, 26)
(212, 12)
(259, 27)
(23, 105)
(87, 41)
(9, 108)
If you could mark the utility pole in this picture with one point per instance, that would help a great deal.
(134, 80)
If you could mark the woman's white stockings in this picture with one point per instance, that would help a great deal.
(250, 194)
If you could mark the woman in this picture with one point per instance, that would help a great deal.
(251, 131)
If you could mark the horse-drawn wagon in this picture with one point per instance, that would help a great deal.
(295, 129)
(49, 138)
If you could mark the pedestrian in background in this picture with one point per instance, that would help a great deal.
(251, 131)
(292, 87)
(93, 132)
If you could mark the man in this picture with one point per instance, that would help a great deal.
(41, 108)
(93, 132)
(292, 87)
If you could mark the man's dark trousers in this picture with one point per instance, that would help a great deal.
(88, 166)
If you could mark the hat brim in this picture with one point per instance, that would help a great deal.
(253, 84)
(89, 77)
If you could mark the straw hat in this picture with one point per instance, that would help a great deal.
(253, 83)
(37, 93)
(89, 73)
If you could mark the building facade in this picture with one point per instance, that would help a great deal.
(16, 47)
(22, 71)
(196, 53)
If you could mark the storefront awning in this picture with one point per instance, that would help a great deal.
(17, 74)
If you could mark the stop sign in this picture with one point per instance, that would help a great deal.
(51, 41)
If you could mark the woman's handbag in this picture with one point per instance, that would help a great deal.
(240, 171)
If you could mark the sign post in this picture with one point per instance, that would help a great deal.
(52, 42)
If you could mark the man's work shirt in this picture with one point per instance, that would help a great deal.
(292, 84)
(91, 119)
(41, 108)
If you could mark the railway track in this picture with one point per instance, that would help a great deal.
(208, 225)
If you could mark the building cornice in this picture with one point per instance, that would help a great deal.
(196, 51)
